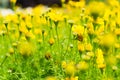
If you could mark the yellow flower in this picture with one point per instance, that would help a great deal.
(14, 45)
(108, 40)
(113, 3)
(100, 59)
(82, 65)
(22, 27)
(78, 30)
(72, 78)
(39, 40)
(26, 48)
(29, 35)
(88, 47)
(81, 47)
(111, 60)
(91, 54)
(114, 68)
(62, 1)
(12, 18)
(90, 28)
(51, 41)
(79, 4)
(13, 1)
(85, 57)
(55, 16)
(97, 10)
(37, 10)
(11, 50)
(64, 64)
(70, 69)
(117, 45)
(51, 78)
(37, 31)
(117, 31)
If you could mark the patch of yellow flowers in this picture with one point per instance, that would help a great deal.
(95, 28)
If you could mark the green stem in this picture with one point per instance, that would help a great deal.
(3, 61)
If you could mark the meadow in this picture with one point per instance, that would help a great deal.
(76, 42)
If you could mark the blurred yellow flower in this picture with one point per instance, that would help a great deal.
(22, 27)
(50, 78)
(55, 16)
(111, 60)
(113, 3)
(51, 41)
(70, 69)
(72, 78)
(97, 10)
(91, 54)
(64, 64)
(29, 35)
(108, 40)
(117, 31)
(11, 50)
(26, 48)
(90, 28)
(12, 18)
(13, 1)
(81, 47)
(100, 59)
(88, 47)
(85, 57)
(78, 29)
(82, 65)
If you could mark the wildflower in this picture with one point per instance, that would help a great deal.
(88, 47)
(97, 10)
(78, 31)
(72, 78)
(14, 45)
(37, 31)
(71, 22)
(62, 1)
(117, 32)
(39, 40)
(47, 56)
(117, 45)
(55, 16)
(90, 28)
(82, 65)
(111, 60)
(114, 3)
(37, 11)
(71, 46)
(51, 78)
(108, 40)
(114, 68)
(85, 57)
(108, 78)
(11, 50)
(22, 27)
(51, 41)
(13, 1)
(79, 4)
(81, 47)
(29, 35)
(100, 59)
(12, 18)
(64, 64)
(70, 69)
(91, 54)
(118, 56)
(26, 48)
